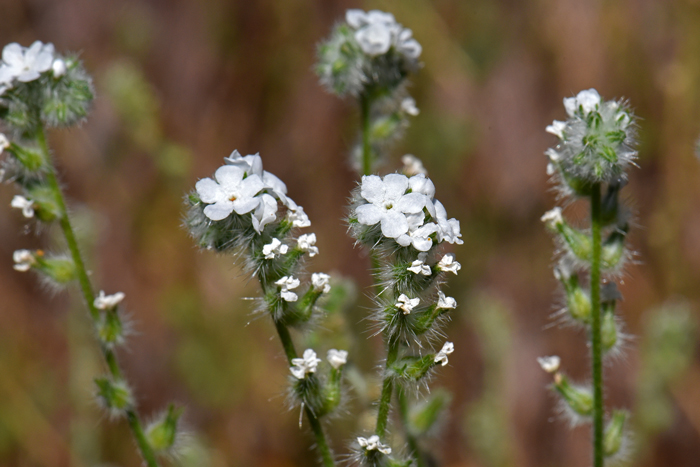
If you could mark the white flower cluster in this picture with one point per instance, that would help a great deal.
(373, 443)
(26, 64)
(377, 32)
(401, 206)
(244, 187)
(305, 365)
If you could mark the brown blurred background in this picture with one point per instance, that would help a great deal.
(180, 84)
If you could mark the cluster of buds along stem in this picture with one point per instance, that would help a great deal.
(595, 148)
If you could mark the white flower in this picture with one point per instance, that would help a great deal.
(265, 213)
(58, 67)
(448, 264)
(553, 155)
(553, 217)
(408, 105)
(230, 192)
(556, 128)
(358, 18)
(376, 32)
(587, 100)
(106, 302)
(274, 248)
(24, 260)
(412, 165)
(26, 205)
(305, 365)
(549, 364)
(337, 358)
(26, 64)
(252, 165)
(418, 234)
(445, 303)
(551, 169)
(373, 444)
(388, 203)
(449, 229)
(374, 39)
(419, 183)
(407, 304)
(4, 142)
(288, 283)
(408, 46)
(307, 243)
(446, 350)
(419, 266)
(321, 282)
(296, 215)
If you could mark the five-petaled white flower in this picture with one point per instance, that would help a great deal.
(553, 217)
(276, 247)
(556, 128)
(448, 264)
(286, 284)
(321, 282)
(587, 101)
(25, 64)
(307, 243)
(230, 192)
(26, 205)
(412, 165)
(107, 302)
(407, 304)
(549, 364)
(305, 365)
(419, 266)
(252, 165)
(445, 303)
(373, 444)
(446, 350)
(337, 358)
(24, 260)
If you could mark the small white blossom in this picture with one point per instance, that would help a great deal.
(412, 165)
(419, 266)
(337, 358)
(549, 364)
(274, 248)
(373, 444)
(418, 233)
(587, 100)
(321, 282)
(25, 64)
(408, 105)
(4, 142)
(229, 192)
(449, 229)
(106, 302)
(26, 205)
(448, 264)
(288, 283)
(556, 128)
(297, 216)
(553, 217)
(58, 68)
(407, 304)
(446, 350)
(445, 303)
(553, 155)
(307, 243)
(24, 260)
(551, 169)
(374, 39)
(305, 365)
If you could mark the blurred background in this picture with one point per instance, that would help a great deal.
(180, 84)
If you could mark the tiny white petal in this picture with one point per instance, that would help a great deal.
(321, 282)
(448, 264)
(445, 303)
(441, 357)
(553, 217)
(549, 364)
(106, 302)
(58, 68)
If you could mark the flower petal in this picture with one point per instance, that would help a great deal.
(369, 214)
(245, 205)
(250, 186)
(396, 185)
(219, 211)
(373, 189)
(394, 224)
(209, 191)
(12, 55)
(412, 203)
(229, 176)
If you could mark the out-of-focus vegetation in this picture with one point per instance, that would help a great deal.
(181, 84)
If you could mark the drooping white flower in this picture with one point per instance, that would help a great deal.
(58, 68)
(106, 302)
(321, 282)
(305, 365)
(26, 205)
(307, 243)
(445, 303)
(448, 264)
(286, 284)
(373, 444)
(337, 358)
(229, 192)
(26, 64)
(412, 165)
(449, 230)
(446, 350)
(556, 128)
(419, 266)
(549, 364)
(274, 248)
(407, 304)
(408, 105)
(587, 100)
(553, 217)
(388, 203)
(24, 260)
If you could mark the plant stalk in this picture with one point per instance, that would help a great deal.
(410, 438)
(387, 388)
(596, 345)
(365, 106)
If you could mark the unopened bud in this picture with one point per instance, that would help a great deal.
(578, 398)
(162, 433)
(614, 433)
(115, 395)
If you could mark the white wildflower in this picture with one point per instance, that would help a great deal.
(230, 192)
(265, 213)
(408, 105)
(449, 229)
(553, 217)
(373, 444)
(549, 364)
(587, 101)
(448, 264)
(445, 303)
(58, 68)
(24, 260)
(419, 267)
(446, 350)
(307, 243)
(556, 128)
(321, 282)
(374, 39)
(337, 358)
(252, 165)
(297, 216)
(4, 142)
(276, 247)
(412, 165)
(26, 205)
(26, 64)
(418, 233)
(106, 302)
(553, 155)
(407, 304)
(286, 284)
(305, 365)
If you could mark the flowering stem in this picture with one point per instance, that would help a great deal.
(365, 105)
(410, 439)
(89, 296)
(387, 388)
(596, 347)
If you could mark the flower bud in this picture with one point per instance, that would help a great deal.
(162, 433)
(114, 395)
(578, 300)
(59, 269)
(608, 330)
(30, 158)
(578, 398)
(614, 435)
(110, 328)
(613, 250)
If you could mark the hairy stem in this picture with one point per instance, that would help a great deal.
(410, 439)
(387, 388)
(89, 296)
(596, 346)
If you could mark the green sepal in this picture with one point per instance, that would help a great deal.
(578, 398)
(31, 159)
(46, 208)
(162, 433)
(114, 394)
(614, 433)
(110, 329)
(60, 269)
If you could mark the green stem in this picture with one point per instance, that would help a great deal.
(596, 347)
(387, 389)
(89, 296)
(410, 439)
(365, 106)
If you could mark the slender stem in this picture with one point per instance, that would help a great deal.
(365, 105)
(410, 439)
(89, 296)
(596, 347)
(387, 388)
